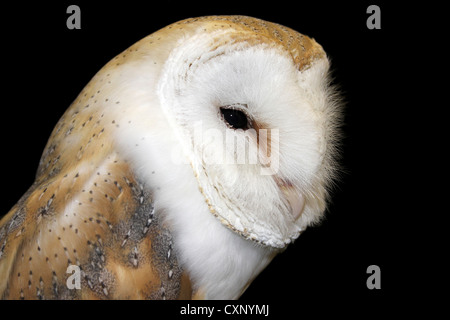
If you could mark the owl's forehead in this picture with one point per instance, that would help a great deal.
(225, 30)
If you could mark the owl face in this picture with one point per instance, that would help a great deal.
(254, 128)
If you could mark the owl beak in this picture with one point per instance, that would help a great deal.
(294, 198)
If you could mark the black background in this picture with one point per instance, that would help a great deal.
(45, 66)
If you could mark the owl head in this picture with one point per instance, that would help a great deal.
(246, 105)
(252, 107)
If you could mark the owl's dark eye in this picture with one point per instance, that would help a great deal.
(235, 118)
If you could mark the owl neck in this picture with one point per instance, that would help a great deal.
(220, 263)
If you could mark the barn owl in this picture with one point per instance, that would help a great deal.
(185, 165)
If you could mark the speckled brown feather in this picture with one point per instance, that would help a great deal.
(88, 208)
(101, 219)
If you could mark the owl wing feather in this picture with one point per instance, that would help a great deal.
(100, 219)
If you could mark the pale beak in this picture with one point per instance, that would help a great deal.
(294, 198)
